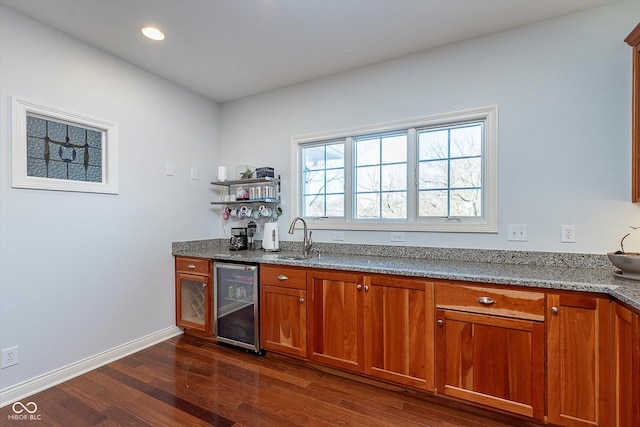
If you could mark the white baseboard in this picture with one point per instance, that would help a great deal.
(45, 381)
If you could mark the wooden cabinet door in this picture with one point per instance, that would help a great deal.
(490, 360)
(193, 302)
(578, 347)
(335, 319)
(283, 320)
(633, 39)
(398, 330)
(625, 407)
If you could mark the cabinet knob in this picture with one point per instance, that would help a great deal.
(440, 322)
(282, 277)
(486, 300)
(191, 266)
(301, 300)
(554, 309)
(359, 287)
(204, 285)
(366, 288)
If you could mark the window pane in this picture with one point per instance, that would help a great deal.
(323, 174)
(394, 177)
(335, 156)
(314, 205)
(466, 173)
(466, 141)
(367, 205)
(381, 177)
(394, 205)
(335, 205)
(394, 149)
(433, 144)
(433, 175)
(367, 151)
(460, 149)
(314, 182)
(433, 203)
(368, 179)
(313, 158)
(466, 202)
(335, 181)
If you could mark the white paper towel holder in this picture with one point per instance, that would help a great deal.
(270, 242)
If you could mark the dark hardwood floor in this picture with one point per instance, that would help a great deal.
(186, 381)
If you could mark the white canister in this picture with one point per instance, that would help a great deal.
(222, 173)
(270, 240)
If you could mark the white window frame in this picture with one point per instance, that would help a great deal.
(487, 223)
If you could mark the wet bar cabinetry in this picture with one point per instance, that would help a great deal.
(398, 330)
(283, 309)
(193, 294)
(633, 39)
(335, 319)
(578, 359)
(566, 358)
(378, 325)
(490, 347)
(625, 364)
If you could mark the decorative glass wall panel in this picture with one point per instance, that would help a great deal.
(62, 151)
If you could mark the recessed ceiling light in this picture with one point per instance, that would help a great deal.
(153, 33)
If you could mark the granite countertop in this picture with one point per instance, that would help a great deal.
(543, 272)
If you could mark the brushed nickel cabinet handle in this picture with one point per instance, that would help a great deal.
(282, 277)
(359, 286)
(191, 266)
(440, 322)
(554, 309)
(366, 288)
(486, 300)
(301, 300)
(204, 285)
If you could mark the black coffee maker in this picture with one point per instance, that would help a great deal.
(238, 241)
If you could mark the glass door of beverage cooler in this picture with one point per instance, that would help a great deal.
(236, 305)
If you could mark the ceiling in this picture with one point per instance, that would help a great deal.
(229, 49)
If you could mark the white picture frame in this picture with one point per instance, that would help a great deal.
(20, 177)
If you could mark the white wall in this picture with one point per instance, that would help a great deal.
(83, 273)
(563, 88)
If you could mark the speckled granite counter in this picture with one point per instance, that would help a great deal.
(578, 272)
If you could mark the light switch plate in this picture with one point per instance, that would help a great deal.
(518, 233)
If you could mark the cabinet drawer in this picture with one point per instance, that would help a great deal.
(193, 265)
(489, 300)
(288, 277)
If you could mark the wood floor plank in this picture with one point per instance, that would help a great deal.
(187, 381)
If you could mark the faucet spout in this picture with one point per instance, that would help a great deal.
(307, 243)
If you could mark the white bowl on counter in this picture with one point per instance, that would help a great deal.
(628, 263)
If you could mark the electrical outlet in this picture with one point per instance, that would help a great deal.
(338, 236)
(169, 169)
(568, 233)
(10, 357)
(397, 237)
(518, 233)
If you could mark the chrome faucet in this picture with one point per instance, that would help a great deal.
(306, 240)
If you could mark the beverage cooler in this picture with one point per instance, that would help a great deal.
(235, 305)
